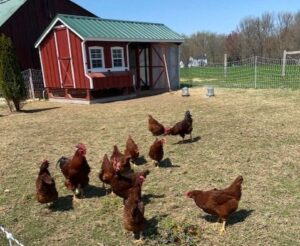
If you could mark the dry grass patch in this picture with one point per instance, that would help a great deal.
(254, 133)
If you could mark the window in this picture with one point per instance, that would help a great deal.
(117, 55)
(96, 58)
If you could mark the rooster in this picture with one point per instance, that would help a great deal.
(76, 171)
(45, 186)
(183, 127)
(219, 202)
(155, 127)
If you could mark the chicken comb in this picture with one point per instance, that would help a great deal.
(80, 146)
(142, 178)
(45, 161)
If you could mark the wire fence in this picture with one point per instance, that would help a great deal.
(254, 72)
(9, 236)
(34, 83)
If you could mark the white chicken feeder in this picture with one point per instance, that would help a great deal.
(185, 91)
(210, 91)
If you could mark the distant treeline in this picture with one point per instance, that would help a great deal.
(265, 36)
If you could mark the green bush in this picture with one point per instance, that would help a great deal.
(12, 86)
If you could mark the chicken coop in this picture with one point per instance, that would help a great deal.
(87, 59)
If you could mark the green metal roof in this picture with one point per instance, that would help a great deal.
(95, 28)
(8, 8)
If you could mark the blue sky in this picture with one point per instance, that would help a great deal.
(187, 17)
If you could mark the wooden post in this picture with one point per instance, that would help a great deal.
(167, 72)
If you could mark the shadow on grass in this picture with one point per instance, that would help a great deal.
(235, 218)
(166, 163)
(152, 230)
(147, 198)
(94, 191)
(63, 203)
(30, 111)
(141, 160)
(187, 141)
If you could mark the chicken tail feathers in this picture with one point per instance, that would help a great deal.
(62, 162)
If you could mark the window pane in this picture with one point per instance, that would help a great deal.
(96, 58)
(117, 55)
(118, 63)
(96, 53)
(96, 63)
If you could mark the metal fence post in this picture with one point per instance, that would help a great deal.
(255, 71)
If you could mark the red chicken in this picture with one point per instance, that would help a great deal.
(45, 185)
(76, 170)
(221, 203)
(121, 184)
(123, 161)
(133, 216)
(132, 149)
(107, 171)
(156, 152)
(183, 127)
(155, 127)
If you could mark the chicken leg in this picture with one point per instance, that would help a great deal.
(222, 231)
(137, 238)
(218, 222)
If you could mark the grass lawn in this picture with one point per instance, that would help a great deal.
(267, 76)
(254, 133)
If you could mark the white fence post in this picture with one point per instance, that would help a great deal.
(283, 63)
(225, 65)
(31, 84)
(255, 71)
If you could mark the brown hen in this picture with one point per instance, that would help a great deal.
(45, 185)
(219, 202)
(156, 152)
(133, 215)
(155, 127)
(132, 149)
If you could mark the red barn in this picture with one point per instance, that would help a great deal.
(84, 58)
(25, 20)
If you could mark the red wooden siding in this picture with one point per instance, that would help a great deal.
(112, 80)
(69, 50)
(107, 51)
(64, 57)
(28, 23)
(49, 60)
(81, 80)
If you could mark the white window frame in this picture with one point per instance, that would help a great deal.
(98, 69)
(112, 59)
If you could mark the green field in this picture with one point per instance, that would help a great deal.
(267, 76)
(254, 133)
